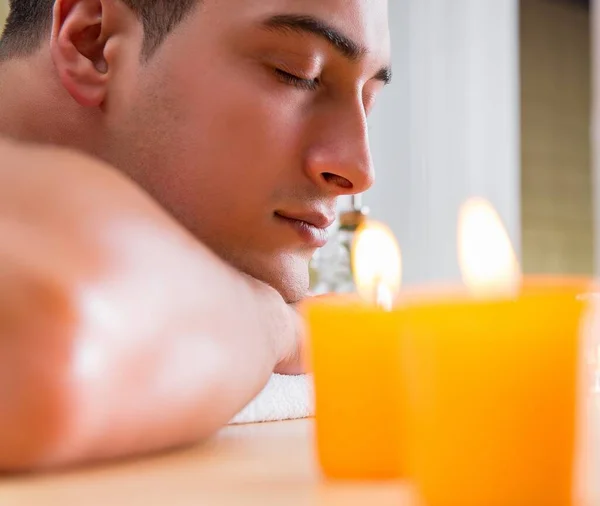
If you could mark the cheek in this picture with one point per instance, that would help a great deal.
(221, 153)
(254, 126)
(238, 137)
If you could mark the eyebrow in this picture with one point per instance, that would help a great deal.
(344, 45)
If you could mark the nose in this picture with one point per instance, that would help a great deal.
(339, 157)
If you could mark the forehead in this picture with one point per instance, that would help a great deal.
(365, 21)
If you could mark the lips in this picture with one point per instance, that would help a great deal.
(310, 226)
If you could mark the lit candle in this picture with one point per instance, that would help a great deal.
(354, 353)
(491, 378)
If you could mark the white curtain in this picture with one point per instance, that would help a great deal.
(449, 126)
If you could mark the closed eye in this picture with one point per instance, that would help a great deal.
(298, 82)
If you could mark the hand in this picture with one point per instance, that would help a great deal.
(295, 363)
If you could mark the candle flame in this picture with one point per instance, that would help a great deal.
(487, 258)
(377, 264)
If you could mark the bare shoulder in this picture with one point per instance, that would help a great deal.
(66, 215)
(14, 154)
(54, 185)
(41, 166)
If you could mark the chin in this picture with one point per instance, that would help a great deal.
(287, 273)
(292, 293)
(293, 285)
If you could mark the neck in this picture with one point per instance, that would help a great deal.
(34, 107)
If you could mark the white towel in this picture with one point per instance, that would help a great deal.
(284, 398)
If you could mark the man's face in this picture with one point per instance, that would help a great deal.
(250, 121)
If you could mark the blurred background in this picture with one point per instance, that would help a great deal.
(490, 98)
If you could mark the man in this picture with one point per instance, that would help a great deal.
(142, 308)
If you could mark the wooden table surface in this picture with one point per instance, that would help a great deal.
(266, 464)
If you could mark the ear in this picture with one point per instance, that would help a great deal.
(80, 34)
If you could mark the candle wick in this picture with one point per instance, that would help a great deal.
(383, 296)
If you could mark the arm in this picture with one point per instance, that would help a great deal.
(119, 333)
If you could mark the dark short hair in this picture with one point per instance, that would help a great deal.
(29, 22)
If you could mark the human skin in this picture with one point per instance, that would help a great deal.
(120, 333)
(233, 143)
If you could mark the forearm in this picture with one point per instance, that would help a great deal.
(100, 393)
(181, 380)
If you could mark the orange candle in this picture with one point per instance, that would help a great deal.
(491, 374)
(354, 353)
(492, 391)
